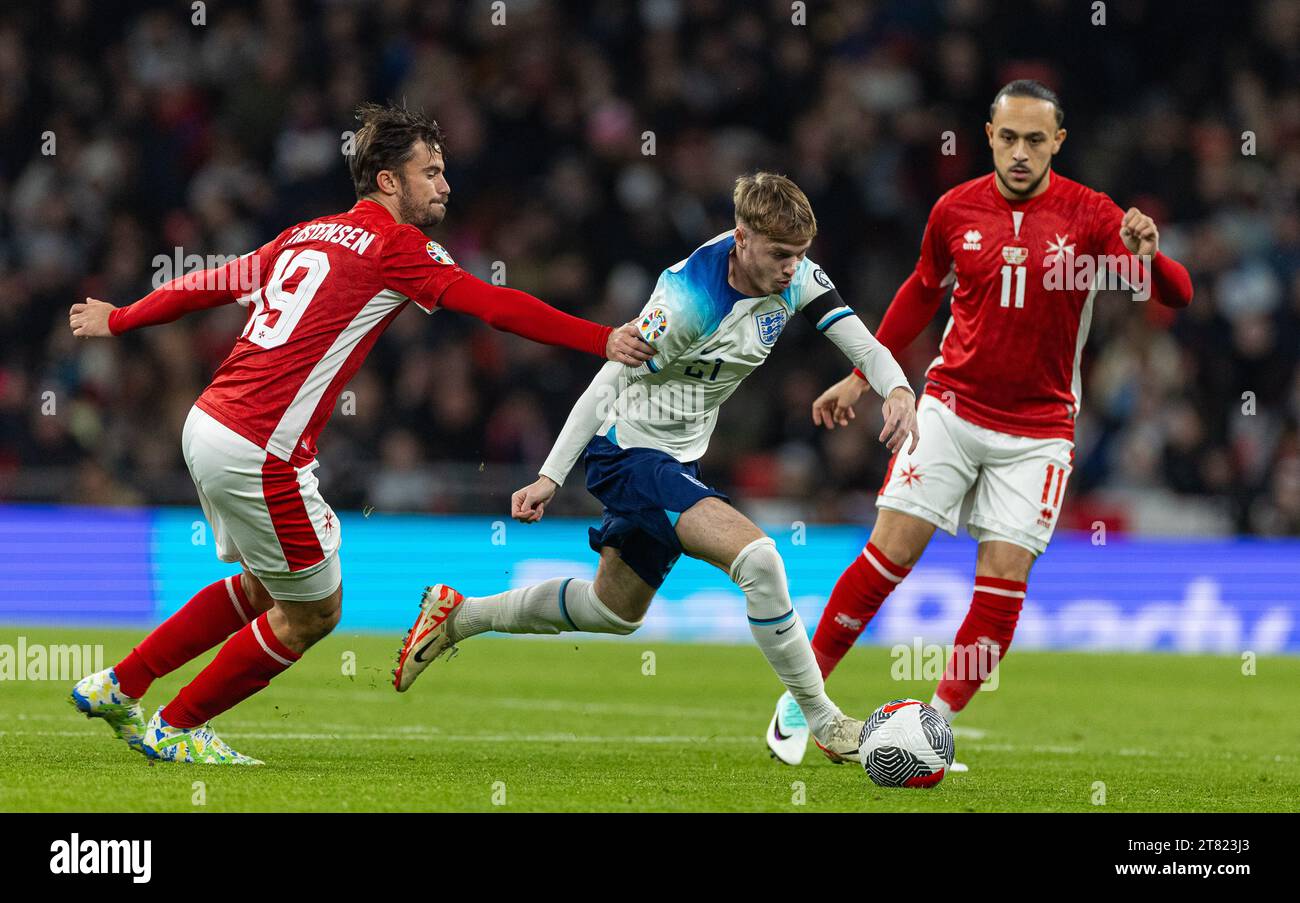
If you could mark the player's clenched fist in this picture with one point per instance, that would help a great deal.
(900, 420)
(528, 504)
(90, 319)
(626, 346)
(1139, 234)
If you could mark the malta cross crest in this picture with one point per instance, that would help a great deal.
(1058, 249)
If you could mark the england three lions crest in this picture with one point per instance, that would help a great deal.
(770, 323)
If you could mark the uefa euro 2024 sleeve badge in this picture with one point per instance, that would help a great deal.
(654, 325)
(439, 254)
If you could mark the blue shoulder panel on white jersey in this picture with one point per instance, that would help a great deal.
(700, 282)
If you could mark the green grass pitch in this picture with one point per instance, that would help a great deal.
(578, 725)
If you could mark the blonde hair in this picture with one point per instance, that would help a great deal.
(774, 206)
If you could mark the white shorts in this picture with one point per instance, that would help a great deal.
(1018, 481)
(264, 511)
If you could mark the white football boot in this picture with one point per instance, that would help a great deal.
(99, 695)
(842, 740)
(428, 637)
(948, 714)
(787, 735)
(193, 745)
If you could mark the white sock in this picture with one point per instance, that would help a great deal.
(555, 606)
(943, 708)
(779, 631)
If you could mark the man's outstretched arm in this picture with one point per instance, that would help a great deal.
(520, 313)
(170, 301)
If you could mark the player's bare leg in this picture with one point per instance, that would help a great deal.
(903, 537)
(301, 625)
(264, 648)
(619, 587)
(615, 603)
(713, 531)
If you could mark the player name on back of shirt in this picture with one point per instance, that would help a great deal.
(354, 238)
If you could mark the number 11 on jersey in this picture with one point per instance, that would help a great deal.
(1010, 273)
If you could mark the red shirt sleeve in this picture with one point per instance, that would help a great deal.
(191, 292)
(918, 298)
(1171, 285)
(912, 309)
(514, 311)
(935, 263)
(416, 267)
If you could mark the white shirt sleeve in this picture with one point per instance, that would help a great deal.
(852, 337)
(670, 327)
(584, 421)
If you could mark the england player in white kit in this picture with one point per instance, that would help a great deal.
(712, 319)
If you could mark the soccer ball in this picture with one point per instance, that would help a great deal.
(905, 743)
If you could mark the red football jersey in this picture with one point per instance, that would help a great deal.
(1011, 351)
(328, 290)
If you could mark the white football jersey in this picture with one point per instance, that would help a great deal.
(707, 337)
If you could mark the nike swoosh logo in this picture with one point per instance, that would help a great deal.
(784, 630)
(776, 729)
(419, 652)
(712, 348)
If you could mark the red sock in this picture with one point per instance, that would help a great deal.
(983, 638)
(855, 600)
(213, 614)
(244, 665)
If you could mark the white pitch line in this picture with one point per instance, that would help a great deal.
(612, 708)
(434, 737)
(427, 735)
(580, 707)
(576, 708)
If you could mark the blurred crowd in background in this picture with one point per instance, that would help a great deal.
(212, 137)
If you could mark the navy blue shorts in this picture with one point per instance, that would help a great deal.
(644, 491)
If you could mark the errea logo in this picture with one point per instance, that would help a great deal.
(973, 239)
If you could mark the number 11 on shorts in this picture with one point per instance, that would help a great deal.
(1059, 473)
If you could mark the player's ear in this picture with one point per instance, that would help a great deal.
(988, 131)
(386, 180)
(1060, 139)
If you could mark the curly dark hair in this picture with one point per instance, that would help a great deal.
(386, 140)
